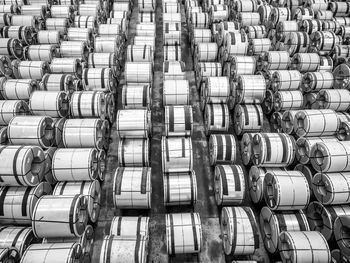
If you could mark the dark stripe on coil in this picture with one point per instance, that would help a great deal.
(284, 144)
(167, 150)
(144, 96)
(79, 104)
(268, 146)
(281, 221)
(187, 119)
(6, 32)
(220, 148)
(14, 165)
(86, 77)
(103, 78)
(71, 214)
(258, 114)
(192, 187)
(93, 103)
(9, 46)
(302, 225)
(234, 218)
(224, 179)
(14, 242)
(183, 147)
(132, 53)
(109, 248)
(19, 32)
(144, 51)
(229, 145)
(212, 114)
(254, 226)
(144, 180)
(118, 180)
(223, 115)
(119, 225)
(82, 187)
(166, 66)
(63, 187)
(236, 177)
(25, 201)
(166, 52)
(62, 81)
(144, 152)
(172, 234)
(246, 115)
(171, 119)
(2, 199)
(176, 52)
(168, 188)
(166, 27)
(92, 59)
(195, 239)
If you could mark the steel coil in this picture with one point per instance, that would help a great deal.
(133, 152)
(12, 108)
(172, 18)
(129, 226)
(311, 26)
(56, 24)
(248, 118)
(216, 118)
(174, 70)
(132, 188)
(74, 49)
(49, 103)
(273, 60)
(45, 253)
(144, 40)
(146, 17)
(246, 148)
(57, 11)
(229, 185)
(283, 80)
(17, 237)
(41, 53)
(11, 8)
(236, 43)
(9, 254)
(23, 33)
(296, 42)
(258, 46)
(239, 230)
(57, 82)
(256, 32)
(341, 231)
(11, 47)
(178, 121)
(208, 69)
(26, 20)
(339, 257)
(38, 10)
(5, 66)
(30, 69)
(171, 33)
(48, 177)
(276, 122)
(222, 149)
(280, 155)
(316, 81)
(91, 9)
(146, 29)
(239, 65)
(176, 92)
(284, 28)
(138, 72)
(133, 123)
(215, 90)
(279, 14)
(85, 22)
(177, 224)
(88, 104)
(104, 60)
(67, 66)
(288, 100)
(343, 132)
(177, 155)
(98, 79)
(171, 8)
(146, 5)
(248, 18)
(273, 223)
(172, 53)
(250, 89)
(306, 62)
(335, 99)
(200, 20)
(139, 53)
(51, 37)
(206, 52)
(136, 97)
(286, 190)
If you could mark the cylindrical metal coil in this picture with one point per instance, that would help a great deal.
(288, 118)
(340, 8)
(343, 132)
(109, 29)
(284, 28)
(177, 155)
(256, 32)
(283, 80)
(146, 17)
(19, 202)
(248, 118)
(288, 100)
(26, 20)
(41, 53)
(305, 62)
(146, 29)
(246, 148)
(206, 52)
(49, 103)
(129, 226)
(91, 9)
(240, 65)
(273, 223)
(335, 99)
(250, 89)
(57, 82)
(67, 66)
(5, 66)
(138, 72)
(39, 10)
(315, 123)
(45, 253)
(12, 108)
(39, 131)
(273, 150)
(88, 104)
(222, 149)
(172, 53)
(30, 69)
(341, 20)
(171, 8)
(85, 22)
(180, 188)
(311, 26)
(174, 70)
(330, 156)
(239, 230)
(11, 8)
(58, 11)
(171, 18)
(316, 81)
(74, 49)
(133, 123)
(133, 152)
(132, 188)
(176, 92)
(286, 190)
(256, 181)
(136, 97)
(303, 13)
(84, 165)
(98, 79)
(296, 42)
(273, 60)
(298, 246)
(276, 121)
(106, 44)
(236, 43)
(229, 185)
(68, 213)
(104, 60)
(23, 33)
(51, 37)
(171, 33)
(91, 190)
(18, 237)
(215, 90)
(144, 40)
(56, 24)
(279, 14)
(208, 69)
(178, 120)
(341, 231)
(246, 6)
(258, 46)
(80, 34)
(177, 224)
(325, 41)
(48, 165)
(147, 5)
(139, 53)
(264, 12)
(305, 144)
(200, 20)
(216, 118)
(248, 18)
(11, 47)
(341, 76)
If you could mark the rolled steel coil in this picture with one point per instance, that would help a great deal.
(88, 104)
(240, 231)
(248, 118)
(341, 76)
(256, 32)
(258, 46)
(250, 89)
(339, 257)
(215, 90)
(136, 97)
(174, 70)
(206, 52)
(26, 20)
(248, 18)
(305, 62)
(139, 53)
(48, 177)
(264, 12)
(223, 28)
(177, 154)
(38, 10)
(256, 181)
(208, 69)
(245, 6)
(325, 41)
(147, 5)
(84, 168)
(236, 43)
(311, 26)
(11, 47)
(274, 60)
(91, 190)
(80, 34)
(104, 60)
(11, 8)
(340, 8)
(178, 120)
(180, 188)
(216, 118)
(67, 66)
(171, 8)
(330, 25)
(177, 224)
(200, 20)
(218, 13)
(335, 99)
(284, 28)
(144, 40)
(288, 118)
(305, 144)
(276, 121)
(240, 65)
(57, 11)
(341, 231)
(171, 18)
(45, 253)
(296, 42)
(98, 79)
(230, 185)
(133, 123)
(246, 148)
(343, 116)
(317, 5)
(23, 33)
(40, 53)
(30, 69)
(286, 190)
(11, 108)
(91, 9)
(330, 156)
(340, 54)
(49, 103)
(74, 49)
(321, 218)
(5, 66)
(57, 82)
(201, 35)
(123, 24)
(17, 89)
(341, 20)
(283, 80)
(172, 53)
(171, 34)
(222, 149)
(303, 13)
(56, 24)
(145, 29)
(9, 254)
(18, 202)
(17, 237)
(317, 81)
(274, 223)
(279, 14)
(176, 92)
(132, 188)
(281, 154)
(133, 152)
(138, 72)
(129, 226)
(297, 246)
(50, 37)
(85, 22)
(109, 29)
(146, 17)
(343, 132)
(39, 131)
(316, 123)
(288, 100)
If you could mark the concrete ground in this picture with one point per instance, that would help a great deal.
(212, 243)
